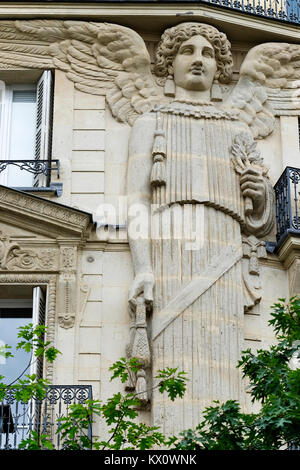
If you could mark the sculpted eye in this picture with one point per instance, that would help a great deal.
(208, 53)
(186, 50)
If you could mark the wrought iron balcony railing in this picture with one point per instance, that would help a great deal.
(40, 171)
(282, 10)
(36, 167)
(287, 194)
(18, 419)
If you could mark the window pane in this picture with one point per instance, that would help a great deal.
(10, 320)
(22, 137)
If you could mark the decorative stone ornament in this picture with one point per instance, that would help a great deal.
(67, 286)
(194, 158)
(253, 250)
(66, 321)
(15, 258)
(139, 348)
(112, 60)
(246, 159)
(6, 248)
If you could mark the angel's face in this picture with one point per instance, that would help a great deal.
(195, 65)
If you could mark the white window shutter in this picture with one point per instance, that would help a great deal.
(43, 116)
(2, 92)
(38, 318)
(5, 117)
(43, 123)
(2, 153)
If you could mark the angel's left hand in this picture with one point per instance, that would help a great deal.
(253, 186)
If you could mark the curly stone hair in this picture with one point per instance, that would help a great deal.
(173, 37)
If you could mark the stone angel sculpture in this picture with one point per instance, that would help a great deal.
(193, 164)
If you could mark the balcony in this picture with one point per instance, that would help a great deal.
(282, 10)
(287, 194)
(18, 419)
(40, 171)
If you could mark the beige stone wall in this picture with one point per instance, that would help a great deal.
(92, 149)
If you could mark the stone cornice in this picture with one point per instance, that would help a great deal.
(43, 216)
(156, 17)
(289, 251)
(272, 261)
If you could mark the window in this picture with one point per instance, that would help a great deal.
(25, 131)
(16, 312)
(19, 306)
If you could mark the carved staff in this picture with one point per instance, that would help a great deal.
(139, 349)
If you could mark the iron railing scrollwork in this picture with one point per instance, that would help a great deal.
(282, 10)
(18, 418)
(287, 194)
(35, 167)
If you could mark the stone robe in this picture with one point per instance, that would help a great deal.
(200, 195)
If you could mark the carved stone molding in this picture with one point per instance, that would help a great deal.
(40, 279)
(285, 102)
(84, 295)
(15, 258)
(294, 278)
(68, 258)
(66, 321)
(32, 260)
(67, 299)
(67, 286)
(6, 247)
(289, 251)
(31, 210)
(289, 255)
(253, 251)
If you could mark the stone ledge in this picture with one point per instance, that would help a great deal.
(43, 216)
(289, 251)
(155, 17)
(289, 254)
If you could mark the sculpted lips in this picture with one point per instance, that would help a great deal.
(196, 70)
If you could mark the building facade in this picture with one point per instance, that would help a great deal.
(68, 258)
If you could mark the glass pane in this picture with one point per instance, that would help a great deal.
(22, 137)
(10, 320)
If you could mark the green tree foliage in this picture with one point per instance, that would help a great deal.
(27, 386)
(274, 377)
(274, 383)
(120, 414)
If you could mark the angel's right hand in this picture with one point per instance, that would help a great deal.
(143, 283)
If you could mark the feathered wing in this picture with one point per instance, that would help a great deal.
(100, 58)
(267, 66)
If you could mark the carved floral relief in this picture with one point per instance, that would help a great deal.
(13, 257)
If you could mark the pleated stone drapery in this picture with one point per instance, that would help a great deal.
(196, 215)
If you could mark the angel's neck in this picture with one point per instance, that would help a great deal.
(190, 95)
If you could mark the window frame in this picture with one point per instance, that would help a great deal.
(36, 304)
(42, 149)
(5, 125)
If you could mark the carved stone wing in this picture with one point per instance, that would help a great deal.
(100, 58)
(267, 67)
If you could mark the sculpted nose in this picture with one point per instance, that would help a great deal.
(197, 61)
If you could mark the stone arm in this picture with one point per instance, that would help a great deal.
(139, 206)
